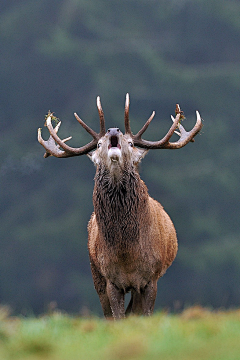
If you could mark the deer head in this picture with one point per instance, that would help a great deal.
(114, 143)
(115, 151)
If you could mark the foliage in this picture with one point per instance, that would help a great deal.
(60, 55)
(197, 333)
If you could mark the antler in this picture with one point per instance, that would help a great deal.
(54, 144)
(164, 143)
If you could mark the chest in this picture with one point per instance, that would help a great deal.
(130, 267)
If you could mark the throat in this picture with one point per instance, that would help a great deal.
(119, 205)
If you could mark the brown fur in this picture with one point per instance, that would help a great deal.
(132, 240)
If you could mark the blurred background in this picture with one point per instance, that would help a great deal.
(60, 55)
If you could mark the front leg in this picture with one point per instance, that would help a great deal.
(148, 297)
(100, 286)
(135, 305)
(116, 299)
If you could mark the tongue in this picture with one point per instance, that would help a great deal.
(110, 146)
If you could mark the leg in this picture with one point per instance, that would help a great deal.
(135, 304)
(104, 300)
(100, 286)
(116, 299)
(149, 296)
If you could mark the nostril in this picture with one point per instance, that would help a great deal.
(113, 131)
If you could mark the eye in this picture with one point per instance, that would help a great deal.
(99, 145)
(130, 144)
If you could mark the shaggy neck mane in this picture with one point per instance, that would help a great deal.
(119, 204)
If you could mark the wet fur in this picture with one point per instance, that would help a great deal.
(132, 240)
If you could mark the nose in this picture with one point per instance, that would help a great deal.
(113, 131)
(114, 137)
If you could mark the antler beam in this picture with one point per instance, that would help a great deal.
(164, 143)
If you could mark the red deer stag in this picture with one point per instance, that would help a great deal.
(132, 240)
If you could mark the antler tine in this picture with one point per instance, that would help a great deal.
(101, 116)
(185, 136)
(126, 116)
(127, 121)
(161, 143)
(144, 128)
(53, 144)
(50, 144)
(86, 127)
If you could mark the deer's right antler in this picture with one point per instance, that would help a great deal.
(54, 144)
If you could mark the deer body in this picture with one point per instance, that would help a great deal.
(131, 239)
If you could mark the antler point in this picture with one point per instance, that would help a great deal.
(127, 100)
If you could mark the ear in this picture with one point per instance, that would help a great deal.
(139, 155)
(92, 156)
(89, 155)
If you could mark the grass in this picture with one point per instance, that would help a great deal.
(195, 334)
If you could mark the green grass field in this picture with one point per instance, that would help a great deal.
(192, 335)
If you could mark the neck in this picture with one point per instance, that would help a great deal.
(119, 203)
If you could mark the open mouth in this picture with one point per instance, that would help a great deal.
(114, 143)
